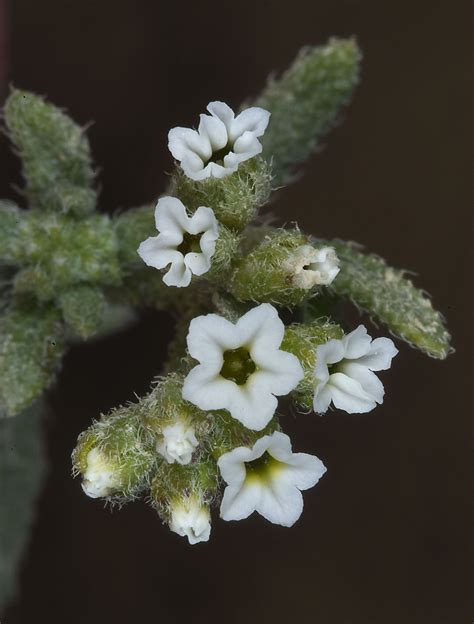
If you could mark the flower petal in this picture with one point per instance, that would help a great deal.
(222, 111)
(368, 380)
(380, 355)
(179, 274)
(348, 395)
(239, 502)
(215, 131)
(153, 254)
(254, 120)
(322, 397)
(357, 343)
(210, 335)
(184, 141)
(304, 470)
(170, 216)
(261, 329)
(279, 503)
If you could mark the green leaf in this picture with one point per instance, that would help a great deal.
(22, 470)
(390, 296)
(305, 103)
(31, 347)
(83, 309)
(55, 154)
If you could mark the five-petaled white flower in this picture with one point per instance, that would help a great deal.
(178, 443)
(221, 142)
(311, 267)
(187, 243)
(241, 366)
(101, 477)
(267, 478)
(344, 374)
(190, 518)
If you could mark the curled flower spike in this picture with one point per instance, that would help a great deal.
(221, 142)
(267, 478)
(312, 267)
(178, 444)
(191, 519)
(187, 243)
(101, 477)
(344, 374)
(241, 366)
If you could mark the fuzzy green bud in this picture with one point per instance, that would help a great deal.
(57, 252)
(275, 271)
(390, 296)
(182, 496)
(177, 425)
(115, 457)
(31, 347)
(305, 102)
(83, 309)
(235, 199)
(302, 340)
(55, 154)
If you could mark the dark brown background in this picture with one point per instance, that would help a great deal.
(384, 536)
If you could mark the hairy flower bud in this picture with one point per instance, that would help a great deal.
(115, 456)
(284, 269)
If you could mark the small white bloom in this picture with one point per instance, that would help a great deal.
(178, 443)
(221, 142)
(241, 366)
(187, 243)
(311, 267)
(191, 519)
(267, 478)
(344, 374)
(101, 477)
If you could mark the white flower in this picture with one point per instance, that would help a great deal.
(267, 478)
(241, 366)
(101, 477)
(221, 142)
(191, 519)
(344, 374)
(311, 267)
(187, 243)
(178, 443)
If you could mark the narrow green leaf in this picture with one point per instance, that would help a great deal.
(390, 296)
(31, 347)
(22, 469)
(55, 154)
(305, 103)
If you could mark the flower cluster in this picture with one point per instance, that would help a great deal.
(212, 425)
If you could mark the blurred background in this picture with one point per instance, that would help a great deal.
(384, 536)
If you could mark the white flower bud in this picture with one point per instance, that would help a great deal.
(101, 477)
(313, 267)
(178, 443)
(191, 519)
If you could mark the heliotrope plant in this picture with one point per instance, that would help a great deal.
(253, 301)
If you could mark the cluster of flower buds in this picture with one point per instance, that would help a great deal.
(208, 434)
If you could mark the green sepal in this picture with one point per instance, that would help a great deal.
(55, 154)
(235, 199)
(389, 296)
(31, 347)
(305, 103)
